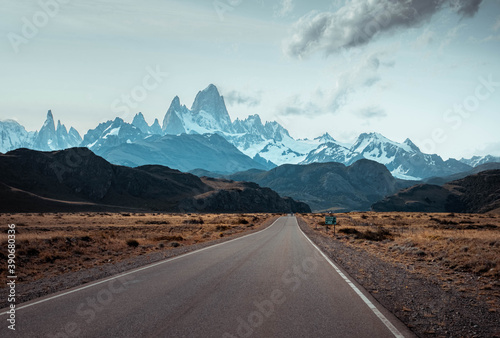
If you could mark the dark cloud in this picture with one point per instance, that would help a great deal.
(234, 97)
(359, 21)
(466, 7)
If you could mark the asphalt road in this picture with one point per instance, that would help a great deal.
(273, 283)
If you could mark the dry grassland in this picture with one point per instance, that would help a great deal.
(52, 244)
(454, 248)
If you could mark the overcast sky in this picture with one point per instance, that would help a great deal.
(426, 70)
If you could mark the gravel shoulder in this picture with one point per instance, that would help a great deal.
(418, 300)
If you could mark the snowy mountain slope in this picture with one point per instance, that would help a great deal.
(479, 160)
(125, 144)
(110, 134)
(14, 136)
(332, 152)
(184, 152)
(404, 160)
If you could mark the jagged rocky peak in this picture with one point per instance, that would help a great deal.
(52, 137)
(173, 121)
(325, 138)
(139, 117)
(140, 122)
(176, 104)
(155, 128)
(46, 139)
(50, 118)
(412, 145)
(207, 98)
(252, 124)
(210, 101)
(368, 141)
(61, 128)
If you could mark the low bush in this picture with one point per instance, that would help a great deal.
(132, 243)
(349, 231)
(194, 221)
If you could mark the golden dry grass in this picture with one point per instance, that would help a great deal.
(54, 243)
(454, 248)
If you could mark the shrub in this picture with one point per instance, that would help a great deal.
(169, 238)
(32, 252)
(132, 243)
(194, 221)
(379, 235)
(349, 231)
(156, 222)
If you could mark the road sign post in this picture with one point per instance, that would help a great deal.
(331, 220)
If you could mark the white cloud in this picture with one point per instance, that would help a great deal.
(496, 25)
(238, 98)
(425, 39)
(284, 8)
(489, 38)
(299, 105)
(451, 35)
(363, 75)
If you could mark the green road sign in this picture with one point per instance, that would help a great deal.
(330, 220)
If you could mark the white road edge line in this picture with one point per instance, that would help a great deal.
(376, 311)
(137, 270)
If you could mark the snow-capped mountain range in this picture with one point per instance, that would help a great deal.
(49, 137)
(245, 144)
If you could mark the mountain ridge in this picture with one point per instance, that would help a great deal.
(267, 144)
(76, 177)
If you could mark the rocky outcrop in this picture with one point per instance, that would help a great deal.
(477, 193)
